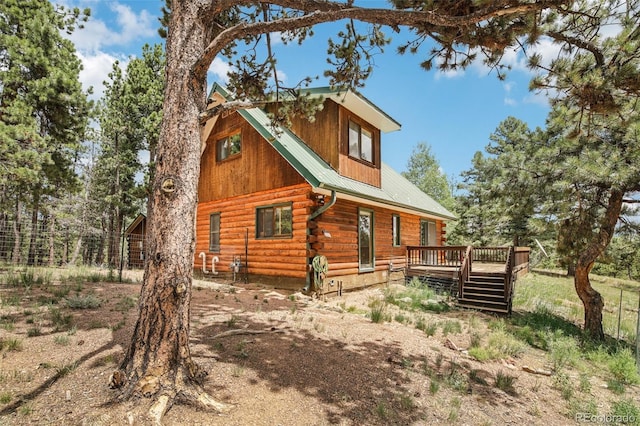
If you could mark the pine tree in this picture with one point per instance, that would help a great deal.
(423, 170)
(43, 110)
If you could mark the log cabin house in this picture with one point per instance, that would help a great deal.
(310, 204)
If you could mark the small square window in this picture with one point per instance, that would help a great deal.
(274, 221)
(228, 147)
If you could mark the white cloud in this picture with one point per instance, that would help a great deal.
(130, 27)
(537, 98)
(219, 69)
(96, 68)
(134, 26)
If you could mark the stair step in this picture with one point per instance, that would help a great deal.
(484, 305)
(488, 274)
(483, 286)
(482, 296)
(482, 279)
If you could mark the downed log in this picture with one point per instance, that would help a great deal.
(536, 371)
(244, 331)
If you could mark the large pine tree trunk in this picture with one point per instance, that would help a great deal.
(158, 362)
(591, 299)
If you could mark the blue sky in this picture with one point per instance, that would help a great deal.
(452, 112)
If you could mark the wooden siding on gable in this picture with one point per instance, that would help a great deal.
(328, 136)
(286, 256)
(257, 168)
(323, 135)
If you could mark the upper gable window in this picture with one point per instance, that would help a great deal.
(360, 142)
(228, 147)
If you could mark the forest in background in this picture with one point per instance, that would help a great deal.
(75, 173)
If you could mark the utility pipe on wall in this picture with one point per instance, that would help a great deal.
(312, 216)
(203, 255)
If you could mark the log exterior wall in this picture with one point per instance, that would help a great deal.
(284, 257)
(136, 245)
(341, 248)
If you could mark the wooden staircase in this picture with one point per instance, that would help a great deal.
(482, 277)
(485, 291)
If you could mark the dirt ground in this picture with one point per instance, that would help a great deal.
(318, 363)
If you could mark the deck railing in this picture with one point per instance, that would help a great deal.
(445, 256)
(521, 263)
(490, 254)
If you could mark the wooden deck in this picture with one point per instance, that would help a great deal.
(487, 268)
(481, 278)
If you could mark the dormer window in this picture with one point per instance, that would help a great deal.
(360, 142)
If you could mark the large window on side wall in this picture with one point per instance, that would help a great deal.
(274, 221)
(366, 257)
(228, 147)
(214, 232)
(360, 142)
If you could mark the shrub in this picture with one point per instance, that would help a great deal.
(563, 350)
(59, 320)
(451, 327)
(626, 411)
(83, 302)
(11, 344)
(622, 366)
(504, 382)
(429, 328)
(378, 308)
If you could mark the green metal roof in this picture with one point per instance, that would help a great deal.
(396, 191)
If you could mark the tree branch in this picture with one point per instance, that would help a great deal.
(228, 106)
(326, 11)
(582, 44)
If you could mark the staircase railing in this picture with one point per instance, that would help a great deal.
(465, 270)
(508, 274)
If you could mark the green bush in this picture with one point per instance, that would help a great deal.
(563, 351)
(88, 301)
(626, 412)
(378, 309)
(505, 381)
(622, 366)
